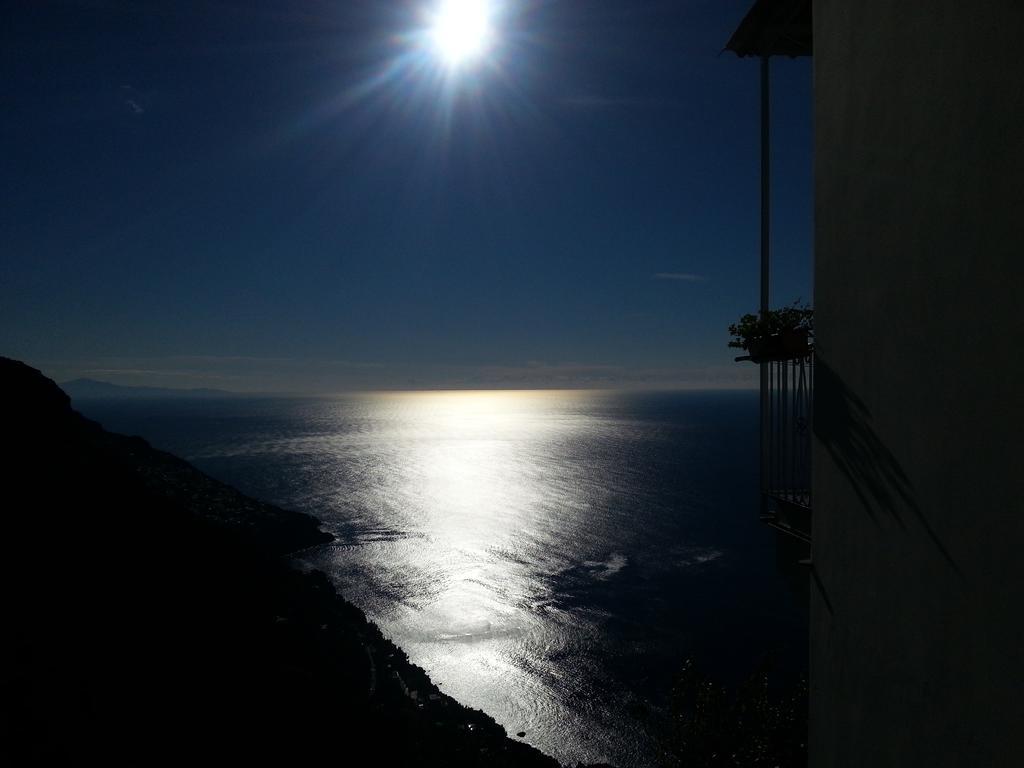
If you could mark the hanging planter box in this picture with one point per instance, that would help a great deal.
(779, 334)
(785, 345)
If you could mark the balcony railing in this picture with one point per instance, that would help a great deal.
(787, 397)
(786, 400)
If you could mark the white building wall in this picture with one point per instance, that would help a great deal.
(917, 601)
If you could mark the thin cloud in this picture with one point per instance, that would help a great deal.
(130, 97)
(145, 372)
(311, 376)
(683, 277)
(606, 102)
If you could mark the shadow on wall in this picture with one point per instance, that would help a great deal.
(842, 422)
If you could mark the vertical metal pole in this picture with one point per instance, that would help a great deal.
(765, 252)
(766, 179)
(810, 427)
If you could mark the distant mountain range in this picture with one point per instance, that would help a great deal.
(85, 389)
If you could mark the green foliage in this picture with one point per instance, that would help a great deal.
(790, 318)
(757, 725)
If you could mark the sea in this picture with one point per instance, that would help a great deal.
(552, 558)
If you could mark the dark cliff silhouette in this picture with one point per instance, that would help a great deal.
(150, 618)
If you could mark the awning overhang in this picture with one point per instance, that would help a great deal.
(774, 28)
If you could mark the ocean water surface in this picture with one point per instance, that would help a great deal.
(549, 557)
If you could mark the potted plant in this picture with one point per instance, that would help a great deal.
(781, 334)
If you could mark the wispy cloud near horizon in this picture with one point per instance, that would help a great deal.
(324, 376)
(683, 277)
(596, 101)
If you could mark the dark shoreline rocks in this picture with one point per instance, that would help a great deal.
(153, 620)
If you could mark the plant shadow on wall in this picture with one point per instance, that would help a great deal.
(842, 422)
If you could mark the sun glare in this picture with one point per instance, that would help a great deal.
(461, 30)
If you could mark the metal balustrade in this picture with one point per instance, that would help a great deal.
(786, 399)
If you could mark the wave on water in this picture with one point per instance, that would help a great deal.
(605, 569)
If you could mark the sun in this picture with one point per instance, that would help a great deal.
(461, 30)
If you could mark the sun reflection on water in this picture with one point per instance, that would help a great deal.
(489, 497)
(530, 550)
(548, 557)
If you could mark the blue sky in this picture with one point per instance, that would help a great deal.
(294, 196)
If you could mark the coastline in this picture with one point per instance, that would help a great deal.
(166, 613)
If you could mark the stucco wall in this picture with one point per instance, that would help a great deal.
(917, 638)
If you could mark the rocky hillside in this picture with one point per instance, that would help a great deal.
(150, 618)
